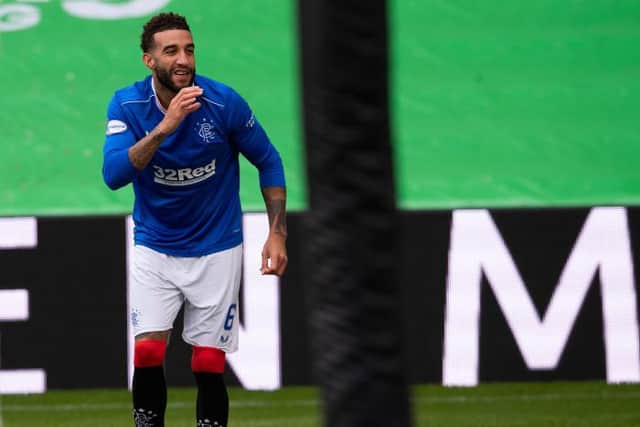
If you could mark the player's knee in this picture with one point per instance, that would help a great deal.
(208, 359)
(148, 353)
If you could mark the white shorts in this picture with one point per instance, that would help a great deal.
(208, 286)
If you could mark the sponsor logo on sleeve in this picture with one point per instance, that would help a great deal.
(115, 126)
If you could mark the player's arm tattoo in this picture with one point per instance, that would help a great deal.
(275, 201)
(141, 153)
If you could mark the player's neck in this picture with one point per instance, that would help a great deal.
(163, 95)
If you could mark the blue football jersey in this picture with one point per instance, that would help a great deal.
(187, 200)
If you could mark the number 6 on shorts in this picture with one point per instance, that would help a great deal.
(231, 314)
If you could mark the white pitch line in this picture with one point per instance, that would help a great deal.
(312, 402)
(277, 422)
(176, 405)
(527, 397)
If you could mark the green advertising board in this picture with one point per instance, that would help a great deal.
(517, 103)
(61, 68)
(494, 103)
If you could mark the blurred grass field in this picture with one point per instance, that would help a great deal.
(557, 404)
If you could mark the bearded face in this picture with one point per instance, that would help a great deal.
(172, 59)
(175, 78)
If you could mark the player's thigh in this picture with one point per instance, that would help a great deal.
(154, 336)
(211, 306)
(154, 300)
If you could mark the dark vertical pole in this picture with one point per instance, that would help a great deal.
(351, 227)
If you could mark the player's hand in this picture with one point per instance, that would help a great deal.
(183, 103)
(274, 255)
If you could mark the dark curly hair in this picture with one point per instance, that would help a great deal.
(161, 22)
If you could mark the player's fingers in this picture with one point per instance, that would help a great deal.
(273, 265)
(265, 263)
(277, 265)
(192, 107)
(193, 94)
(282, 265)
(190, 91)
(189, 105)
(188, 100)
(188, 95)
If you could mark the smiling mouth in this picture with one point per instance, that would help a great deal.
(182, 73)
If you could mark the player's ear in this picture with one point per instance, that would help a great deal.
(148, 60)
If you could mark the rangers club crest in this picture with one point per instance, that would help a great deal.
(206, 131)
